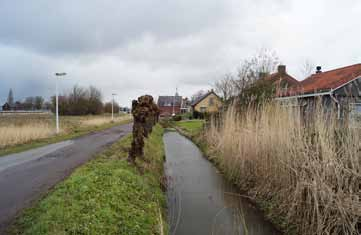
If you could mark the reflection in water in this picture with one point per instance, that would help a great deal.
(200, 201)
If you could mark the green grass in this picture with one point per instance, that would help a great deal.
(105, 196)
(191, 127)
(74, 129)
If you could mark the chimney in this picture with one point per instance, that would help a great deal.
(281, 69)
(318, 69)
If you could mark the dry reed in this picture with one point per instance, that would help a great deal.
(20, 129)
(13, 135)
(101, 120)
(309, 176)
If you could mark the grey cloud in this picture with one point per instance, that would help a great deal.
(62, 27)
(136, 47)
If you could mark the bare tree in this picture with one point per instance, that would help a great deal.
(38, 102)
(250, 70)
(29, 103)
(307, 68)
(197, 95)
(226, 86)
(95, 104)
(108, 107)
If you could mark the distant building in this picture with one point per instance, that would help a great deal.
(18, 106)
(6, 107)
(124, 110)
(186, 106)
(209, 102)
(169, 105)
(339, 88)
(281, 79)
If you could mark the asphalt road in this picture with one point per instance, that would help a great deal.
(26, 176)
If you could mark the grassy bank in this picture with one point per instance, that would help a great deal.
(21, 132)
(191, 128)
(105, 196)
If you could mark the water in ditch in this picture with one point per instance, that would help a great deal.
(200, 200)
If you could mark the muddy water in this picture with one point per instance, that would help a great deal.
(200, 201)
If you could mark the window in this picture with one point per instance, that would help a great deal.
(211, 101)
(355, 109)
(203, 109)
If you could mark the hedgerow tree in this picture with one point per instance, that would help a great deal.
(80, 101)
(248, 87)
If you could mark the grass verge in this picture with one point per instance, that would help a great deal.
(191, 127)
(105, 196)
(75, 131)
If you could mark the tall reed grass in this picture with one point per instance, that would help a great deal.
(307, 173)
(101, 120)
(13, 135)
(19, 129)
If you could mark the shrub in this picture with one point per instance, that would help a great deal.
(177, 118)
(199, 115)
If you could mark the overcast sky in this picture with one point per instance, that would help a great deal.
(133, 47)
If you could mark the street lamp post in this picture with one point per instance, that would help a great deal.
(113, 106)
(58, 75)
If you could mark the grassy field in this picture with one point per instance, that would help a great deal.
(105, 196)
(24, 131)
(192, 127)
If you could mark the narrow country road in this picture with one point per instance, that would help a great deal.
(26, 176)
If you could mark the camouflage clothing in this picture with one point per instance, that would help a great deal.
(145, 115)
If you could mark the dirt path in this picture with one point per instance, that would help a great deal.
(27, 176)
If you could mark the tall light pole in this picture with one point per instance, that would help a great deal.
(58, 75)
(113, 106)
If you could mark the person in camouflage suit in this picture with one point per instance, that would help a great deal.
(152, 117)
(145, 115)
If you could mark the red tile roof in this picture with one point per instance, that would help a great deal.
(325, 81)
(278, 77)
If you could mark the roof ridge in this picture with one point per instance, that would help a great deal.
(333, 70)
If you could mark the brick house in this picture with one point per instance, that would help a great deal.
(169, 105)
(281, 79)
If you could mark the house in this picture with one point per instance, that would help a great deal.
(209, 102)
(186, 106)
(6, 107)
(339, 88)
(124, 110)
(281, 79)
(169, 105)
(18, 106)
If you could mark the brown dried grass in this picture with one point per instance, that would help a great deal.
(101, 120)
(18, 129)
(13, 135)
(308, 176)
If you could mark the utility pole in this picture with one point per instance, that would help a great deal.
(113, 106)
(58, 75)
(174, 100)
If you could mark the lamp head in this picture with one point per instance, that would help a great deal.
(60, 74)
